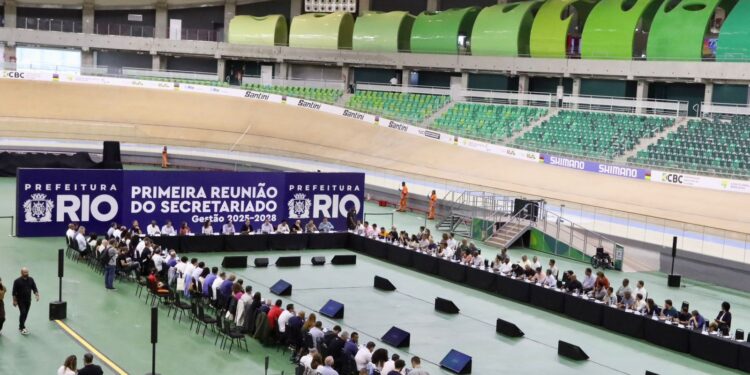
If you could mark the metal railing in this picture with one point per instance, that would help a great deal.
(170, 74)
(724, 110)
(49, 24)
(573, 235)
(313, 83)
(202, 35)
(477, 204)
(674, 108)
(416, 89)
(532, 99)
(520, 218)
(142, 31)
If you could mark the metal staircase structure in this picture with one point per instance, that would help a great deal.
(512, 229)
(463, 207)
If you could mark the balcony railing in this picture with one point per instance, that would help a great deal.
(49, 24)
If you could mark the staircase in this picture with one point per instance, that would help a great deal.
(509, 233)
(458, 223)
(427, 122)
(462, 207)
(643, 145)
(552, 112)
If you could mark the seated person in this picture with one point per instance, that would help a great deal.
(156, 285)
(506, 268)
(623, 288)
(713, 328)
(393, 234)
(468, 258)
(266, 227)
(668, 312)
(601, 281)
(697, 321)
(528, 272)
(126, 264)
(639, 304)
(283, 228)
(683, 317)
(371, 231)
(627, 301)
(207, 229)
(651, 308)
(588, 281)
(516, 271)
(478, 260)
(414, 242)
(539, 276)
(360, 228)
(442, 248)
(432, 246)
(228, 228)
(724, 319)
(599, 292)
(550, 280)
(553, 267)
(153, 229)
(383, 234)
(247, 227)
(326, 226)
(184, 229)
(310, 227)
(495, 264)
(573, 285)
(297, 227)
(424, 242)
(167, 229)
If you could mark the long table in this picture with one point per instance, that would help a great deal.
(715, 349)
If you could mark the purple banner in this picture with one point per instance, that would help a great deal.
(592, 166)
(48, 199)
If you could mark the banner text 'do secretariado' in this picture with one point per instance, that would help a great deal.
(48, 199)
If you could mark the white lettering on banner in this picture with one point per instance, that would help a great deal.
(70, 187)
(618, 171)
(83, 208)
(567, 163)
(324, 188)
(354, 115)
(323, 204)
(306, 104)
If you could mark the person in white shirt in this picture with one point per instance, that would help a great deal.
(71, 232)
(588, 281)
(641, 289)
(391, 364)
(478, 260)
(317, 331)
(362, 358)
(167, 229)
(284, 317)
(267, 227)
(228, 228)
(325, 226)
(117, 233)
(153, 229)
(452, 243)
(524, 262)
(81, 240)
(283, 228)
(360, 228)
(207, 228)
(639, 304)
(69, 367)
(553, 268)
(111, 230)
(306, 360)
(217, 283)
(550, 280)
(158, 260)
(370, 230)
(506, 267)
(139, 248)
(327, 369)
(535, 263)
(190, 267)
(197, 271)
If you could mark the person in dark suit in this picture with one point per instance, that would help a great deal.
(724, 319)
(351, 218)
(89, 368)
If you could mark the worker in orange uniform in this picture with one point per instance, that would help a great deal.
(433, 205)
(164, 158)
(404, 197)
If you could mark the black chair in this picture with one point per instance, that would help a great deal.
(205, 320)
(141, 285)
(225, 329)
(178, 306)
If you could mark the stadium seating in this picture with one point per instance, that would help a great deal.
(704, 146)
(329, 96)
(592, 134)
(203, 82)
(487, 121)
(413, 108)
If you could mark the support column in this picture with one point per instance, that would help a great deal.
(221, 69)
(158, 62)
(230, 10)
(708, 96)
(161, 25)
(405, 75)
(87, 59)
(364, 6)
(433, 5)
(523, 87)
(10, 14)
(295, 9)
(346, 76)
(282, 71)
(576, 89)
(88, 17)
(641, 94)
(9, 55)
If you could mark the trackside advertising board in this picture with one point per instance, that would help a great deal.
(48, 199)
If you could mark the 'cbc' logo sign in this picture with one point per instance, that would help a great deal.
(672, 178)
(18, 75)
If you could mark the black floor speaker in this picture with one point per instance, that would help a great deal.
(318, 261)
(384, 284)
(58, 310)
(333, 309)
(571, 351)
(234, 262)
(344, 259)
(281, 288)
(397, 337)
(289, 261)
(651, 373)
(111, 158)
(261, 262)
(674, 281)
(507, 328)
(446, 306)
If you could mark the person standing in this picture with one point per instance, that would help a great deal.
(2, 305)
(164, 158)
(404, 197)
(351, 219)
(22, 289)
(109, 268)
(433, 205)
(89, 368)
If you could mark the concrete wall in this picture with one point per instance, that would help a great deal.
(120, 17)
(118, 60)
(191, 64)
